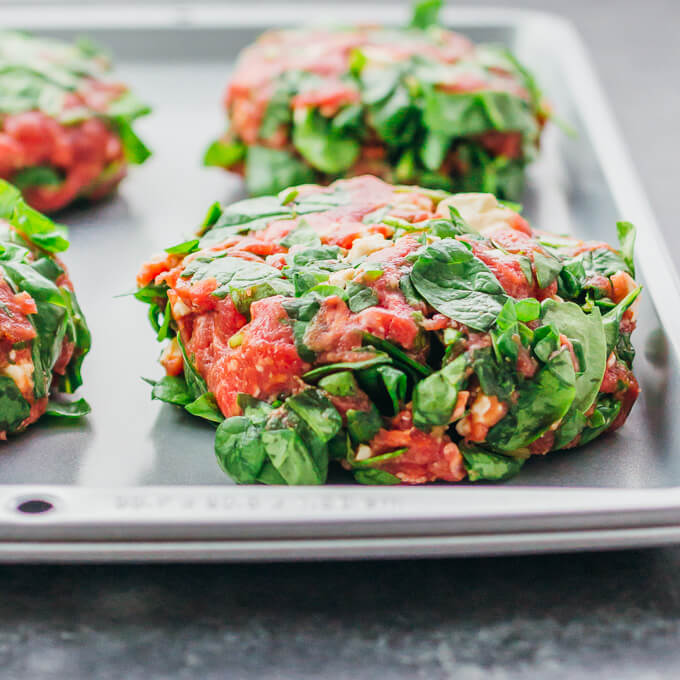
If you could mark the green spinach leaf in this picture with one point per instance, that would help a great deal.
(14, 409)
(426, 13)
(224, 154)
(360, 297)
(542, 402)
(435, 397)
(205, 407)
(484, 465)
(268, 171)
(626, 233)
(459, 285)
(612, 319)
(71, 409)
(171, 389)
(587, 329)
(324, 148)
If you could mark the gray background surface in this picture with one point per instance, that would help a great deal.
(608, 615)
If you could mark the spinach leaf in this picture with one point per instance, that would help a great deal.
(253, 408)
(340, 447)
(239, 448)
(151, 292)
(546, 341)
(572, 424)
(245, 280)
(79, 334)
(360, 297)
(606, 411)
(251, 214)
(603, 262)
(626, 233)
(72, 409)
(214, 213)
(323, 257)
(363, 425)
(277, 113)
(387, 387)
(171, 389)
(410, 293)
(271, 170)
(310, 267)
(528, 309)
(341, 384)
(302, 310)
(135, 150)
(572, 279)
(459, 285)
(224, 154)
(184, 248)
(612, 319)
(373, 461)
(129, 107)
(36, 227)
(394, 117)
(282, 446)
(434, 149)
(14, 409)
(27, 278)
(473, 113)
(374, 476)
(542, 402)
(326, 369)
(302, 235)
(399, 357)
(290, 457)
(426, 13)
(39, 175)
(349, 120)
(321, 199)
(195, 383)
(279, 108)
(317, 412)
(296, 442)
(484, 465)
(587, 329)
(324, 148)
(547, 269)
(164, 327)
(205, 407)
(435, 397)
(460, 226)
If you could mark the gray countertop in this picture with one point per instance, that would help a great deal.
(599, 615)
(588, 616)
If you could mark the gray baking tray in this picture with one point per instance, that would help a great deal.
(137, 480)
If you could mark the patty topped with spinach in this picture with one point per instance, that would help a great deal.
(409, 335)
(420, 105)
(65, 129)
(43, 334)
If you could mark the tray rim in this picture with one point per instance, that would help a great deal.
(296, 550)
(492, 519)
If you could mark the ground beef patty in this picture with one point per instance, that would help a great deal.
(65, 132)
(43, 334)
(421, 105)
(412, 335)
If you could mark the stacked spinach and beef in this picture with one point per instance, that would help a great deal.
(43, 334)
(65, 131)
(409, 334)
(421, 105)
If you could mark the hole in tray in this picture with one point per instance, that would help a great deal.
(35, 506)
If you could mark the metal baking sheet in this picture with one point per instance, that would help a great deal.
(138, 479)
